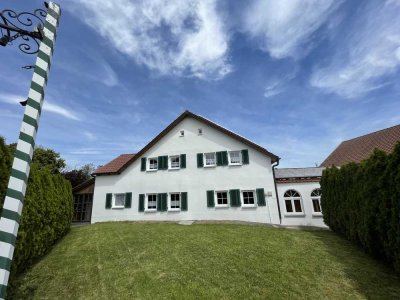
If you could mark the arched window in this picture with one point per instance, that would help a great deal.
(316, 200)
(293, 201)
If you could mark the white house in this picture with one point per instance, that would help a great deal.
(193, 170)
(299, 196)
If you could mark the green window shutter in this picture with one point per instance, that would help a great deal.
(165, 162)
(143, 165)
(164, 206)
(159, 202)
(183, 161)
(235, 198)
(260, 197)
(184, 201)
(210, 199)
(245, 156)
(128, 200)
(224, 158)
(141, 202)
(160, 164)
(108, 200)
(219, 158)
(199, 160)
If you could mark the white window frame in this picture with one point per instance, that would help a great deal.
(292, 199)
(240, 158)
(148, 164)
(205, 160)
(227, 198)
(146, 207)
(170, 201)
(254, 197)
(317, 198)
(114, 205)
(170, 162)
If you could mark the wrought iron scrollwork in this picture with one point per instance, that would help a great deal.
(25, 26)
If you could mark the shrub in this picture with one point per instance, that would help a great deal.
(362, 202)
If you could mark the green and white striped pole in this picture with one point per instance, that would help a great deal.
(15, 195)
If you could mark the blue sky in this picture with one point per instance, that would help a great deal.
(294, 76)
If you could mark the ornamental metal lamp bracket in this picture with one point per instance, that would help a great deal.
(25, 27)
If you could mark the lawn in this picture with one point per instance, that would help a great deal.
(205, 261)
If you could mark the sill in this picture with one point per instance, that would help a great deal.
(174, 209)
(317, 214)
(222, 206)
(295, 215)
(249, 206)
(150, 210)
(233, 165)
(151, 170)
(210, 166)
(173, 169)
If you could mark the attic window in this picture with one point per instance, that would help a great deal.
(182, 133)
(200, 131)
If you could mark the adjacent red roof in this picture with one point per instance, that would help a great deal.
(119, 164)
(360, 148)
(115, 165)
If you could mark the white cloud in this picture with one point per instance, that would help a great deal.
(90, 136)
(284, 27)
(369, 53)
(273, 88)
(179, 37)
(47, 106)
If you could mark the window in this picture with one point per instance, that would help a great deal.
(235, 158)
(153, 163)
(175, 201)
(316, 200)
(248, 198)
(292, 201)
(209, 159)
(174, 162)
(151, 202)
(222, 198)
(119, 200)
(182, 133)
(200, 131)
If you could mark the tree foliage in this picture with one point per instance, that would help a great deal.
(78, 176)
(48, 158)
(362, 203)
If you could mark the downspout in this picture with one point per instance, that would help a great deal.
(276, 189)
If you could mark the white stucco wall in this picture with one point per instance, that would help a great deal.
(193, 180)
(308, 217)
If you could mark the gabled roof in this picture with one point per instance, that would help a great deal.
(83, 185)
(120, 165)
(298, 175)
(360, 148)
(115, 165)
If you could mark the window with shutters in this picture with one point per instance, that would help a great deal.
(222, 199)
(174, 201)
(153, 164)
(316, 200)
(235, 157)
(248, 198)
(119, 201)
(293, 202)
(151, 202)
(174, 162)
(209, 159)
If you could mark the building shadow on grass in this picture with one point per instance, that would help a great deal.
(371, 277)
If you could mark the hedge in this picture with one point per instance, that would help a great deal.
(362, 202)
(47, 212)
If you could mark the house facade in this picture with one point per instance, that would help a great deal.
(299, 195)
(193, 170)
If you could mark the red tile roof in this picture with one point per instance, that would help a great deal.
(360, 148)
(119, 164)
(115, 165)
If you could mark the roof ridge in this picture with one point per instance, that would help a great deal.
(374, 132)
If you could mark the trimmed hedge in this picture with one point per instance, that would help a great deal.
(47, 212)
(362, 202)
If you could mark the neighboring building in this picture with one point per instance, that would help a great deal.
(360, 148)
(299, 196)
(193, 170)
(83, 201)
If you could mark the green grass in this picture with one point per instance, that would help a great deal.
(205, 261)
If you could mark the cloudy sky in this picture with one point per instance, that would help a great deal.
(294, 76)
